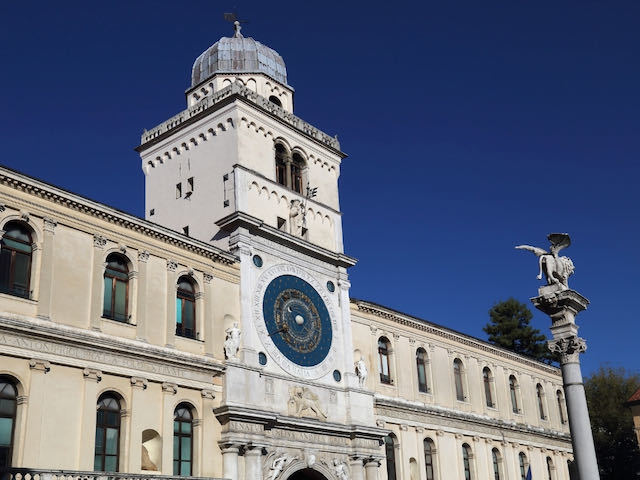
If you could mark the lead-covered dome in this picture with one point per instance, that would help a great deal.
(238, 55)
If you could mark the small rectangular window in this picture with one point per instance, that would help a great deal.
(152, 212)
(282, 224)
(178, 190)
(190, 184)
(186, 230)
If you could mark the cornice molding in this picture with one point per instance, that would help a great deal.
(61, 341)
(256, 226)
(37, 188)
(423, 325)
(466, 418)
(213, 102)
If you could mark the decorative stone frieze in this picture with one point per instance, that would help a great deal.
(143, 256)
(39, 365)
(139, 382)
(92, 374)
(207, 278)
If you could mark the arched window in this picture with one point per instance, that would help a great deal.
(457, 377)
(275, 100)
(429, 451)
(116, 288)
(8, 402)
(107, 434)
(182, 440)
(560, 400)
(522, 462)
(383, 360)
(495, 457)
(15, 259)
(540, 397)
(466, 461)
(550, 468)
(390, 452)
(281, 164)
(297, 165)
(186, 308)
(486, 378)
(513, 385)
(421, 365)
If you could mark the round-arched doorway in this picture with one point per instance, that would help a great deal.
(307, 474)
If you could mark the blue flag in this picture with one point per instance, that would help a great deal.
(529, 473)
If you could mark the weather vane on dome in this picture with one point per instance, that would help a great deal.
(233, 18)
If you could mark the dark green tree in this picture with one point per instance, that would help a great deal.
(509, 328)
(617, 450)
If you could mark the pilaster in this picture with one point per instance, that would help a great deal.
(34, 434)
(141, 312)
(172, 287)
(97, 283)
(169, 390)
(138, 386)
(208, 315)
(46, 270)
(92, 378)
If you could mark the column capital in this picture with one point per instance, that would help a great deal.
(99, 241)
(92, 374)
(39, 365)
(49, 225)
(208, 394)
(172, 265)
(139, 382)
(22, 399)
(171, 388)
(569, 348)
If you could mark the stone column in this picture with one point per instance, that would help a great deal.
(357, 468)
(371, 468)
(230, 461)
(563, 306)
(253, 462)
(208, 315)
(88, 426)
(97, 283)
(46, 270)
(288, 174)
(141, 312)
(170, 335)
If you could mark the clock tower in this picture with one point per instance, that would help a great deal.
(240, 170)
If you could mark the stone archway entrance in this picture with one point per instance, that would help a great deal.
(307, 474)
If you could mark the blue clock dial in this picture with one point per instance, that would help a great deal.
(297, 320)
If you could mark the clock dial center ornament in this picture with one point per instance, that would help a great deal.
(297, 320)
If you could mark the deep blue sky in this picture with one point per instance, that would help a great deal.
(470, 127)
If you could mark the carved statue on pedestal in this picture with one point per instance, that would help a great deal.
(556, 269)
(232, 343)
(361, 372)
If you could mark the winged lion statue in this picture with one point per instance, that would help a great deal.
(556, 269)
